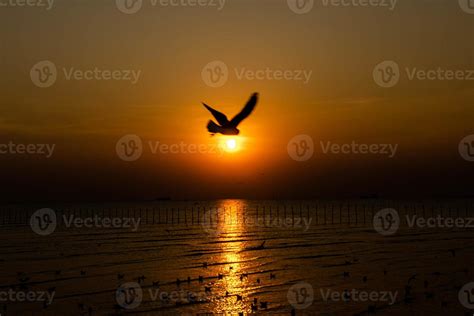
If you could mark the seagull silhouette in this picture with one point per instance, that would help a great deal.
(226, 127)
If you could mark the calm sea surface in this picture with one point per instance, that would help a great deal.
(235, 256)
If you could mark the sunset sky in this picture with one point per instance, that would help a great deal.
(170, 46)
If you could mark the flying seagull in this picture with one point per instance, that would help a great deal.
(226, 127)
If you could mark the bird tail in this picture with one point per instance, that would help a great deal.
(212, 127)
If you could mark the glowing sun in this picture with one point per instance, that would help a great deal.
(231, 144)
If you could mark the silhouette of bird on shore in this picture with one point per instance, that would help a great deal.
(226, 127)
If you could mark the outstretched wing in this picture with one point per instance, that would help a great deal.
(246, 111)
(220, 117)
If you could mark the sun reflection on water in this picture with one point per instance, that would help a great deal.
(234, 285)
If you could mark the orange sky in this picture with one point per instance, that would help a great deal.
(171, 45)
